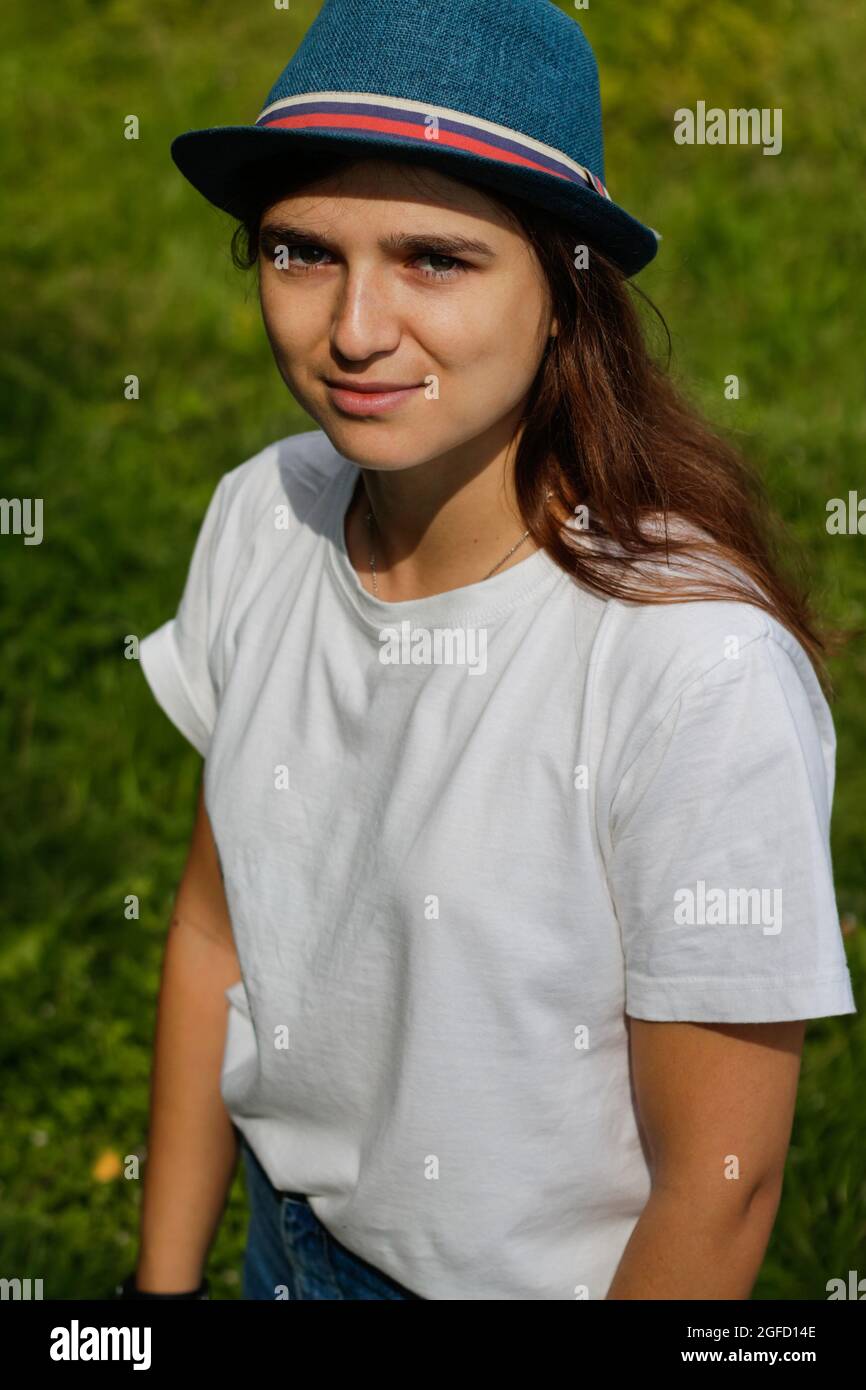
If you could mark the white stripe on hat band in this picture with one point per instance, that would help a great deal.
(447, 113)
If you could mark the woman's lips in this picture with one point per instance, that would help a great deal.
(368, 402)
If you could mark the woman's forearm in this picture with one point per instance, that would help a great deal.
(192, 1146)
(686, 1245)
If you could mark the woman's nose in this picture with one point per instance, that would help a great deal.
(364, 319)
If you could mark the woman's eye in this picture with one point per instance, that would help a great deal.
(440, 272)
(295, 256)
(306, 256)
(285, 255)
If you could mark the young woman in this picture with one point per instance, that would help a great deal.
(511, 855)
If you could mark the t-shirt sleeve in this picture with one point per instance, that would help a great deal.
(720, 867)
(176, 657)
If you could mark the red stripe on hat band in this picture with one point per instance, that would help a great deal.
(414, 132)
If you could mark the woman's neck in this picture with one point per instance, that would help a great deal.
(419, 556)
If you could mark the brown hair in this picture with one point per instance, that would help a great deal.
(606, 429)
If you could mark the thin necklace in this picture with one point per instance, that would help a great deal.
(370, 519)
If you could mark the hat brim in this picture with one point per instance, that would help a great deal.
(230, 165)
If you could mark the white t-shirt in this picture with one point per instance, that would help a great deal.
(450, 880)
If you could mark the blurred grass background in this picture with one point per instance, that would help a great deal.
(114, 265)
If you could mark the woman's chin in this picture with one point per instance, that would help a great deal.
(372, 444)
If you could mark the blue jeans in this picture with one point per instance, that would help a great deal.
(290, 1254)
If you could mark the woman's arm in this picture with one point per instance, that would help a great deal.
(192, 1146)
(714, 1099)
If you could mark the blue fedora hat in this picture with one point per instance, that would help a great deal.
(504, 93)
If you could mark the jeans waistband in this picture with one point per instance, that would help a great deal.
(278, 1193)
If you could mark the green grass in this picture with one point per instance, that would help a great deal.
(113, 265)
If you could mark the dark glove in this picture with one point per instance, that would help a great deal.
(129, 1289)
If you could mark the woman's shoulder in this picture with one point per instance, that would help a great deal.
(668, 644)
(719, 661)
(714, 674)
(660, 648)
(291, 472)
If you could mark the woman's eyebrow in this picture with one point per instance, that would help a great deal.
(442, 244)
(416, 242)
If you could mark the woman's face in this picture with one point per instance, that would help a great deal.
(381, 282)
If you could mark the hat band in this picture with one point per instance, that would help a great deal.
(384, 115)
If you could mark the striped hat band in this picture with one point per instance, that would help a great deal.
(422, 123)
